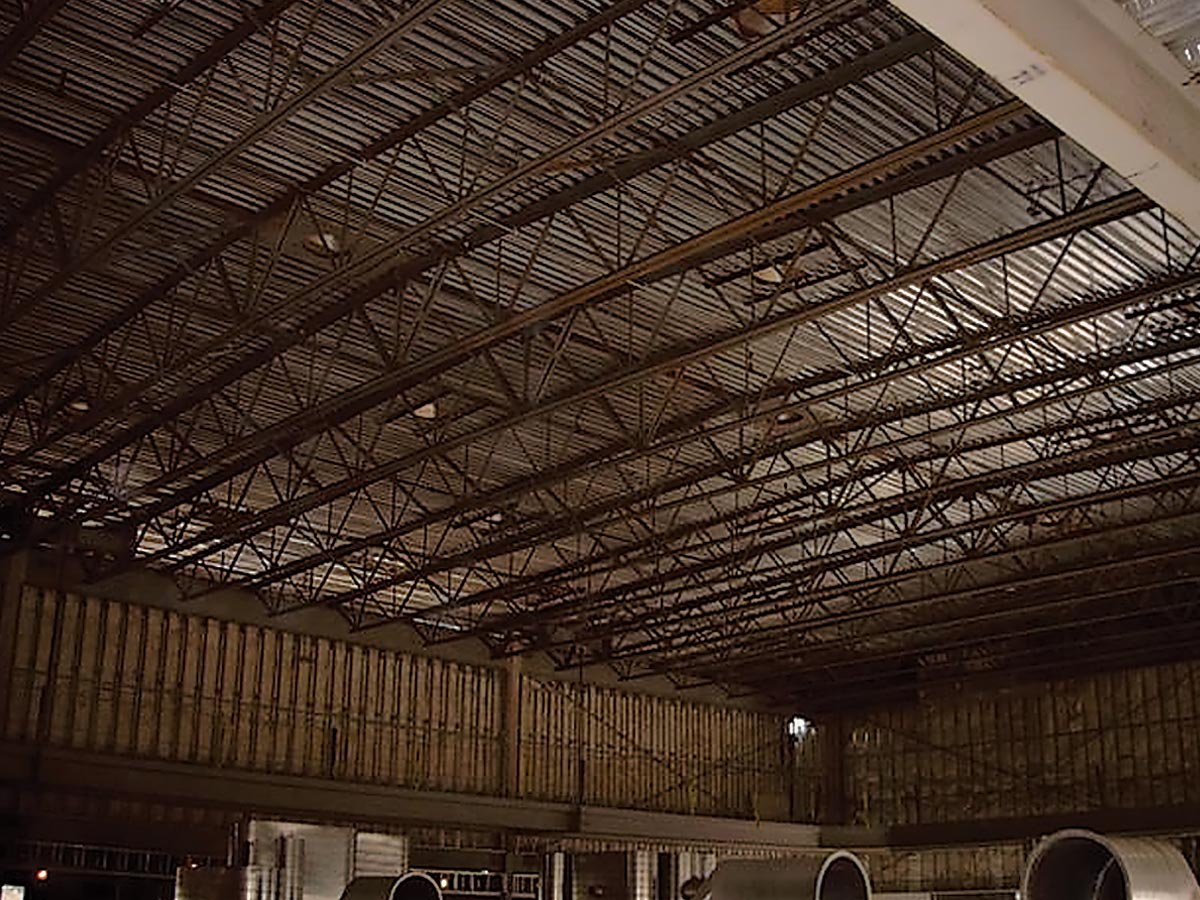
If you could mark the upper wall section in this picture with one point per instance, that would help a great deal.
(1122, 740)
(150, 682)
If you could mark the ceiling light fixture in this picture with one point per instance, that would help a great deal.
(323, 244)
(752, 24)
(426, 411)
(80, 405)
(768, 275)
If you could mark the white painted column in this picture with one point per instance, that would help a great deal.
(1087, 67)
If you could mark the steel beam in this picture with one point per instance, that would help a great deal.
(411, 17)
(37, 14)
(869, 667)
(330, 799)
(331, 313)
(891, 508)
(281, 204)
(691, 639)
(90, 152)
(599, 460)
(294, 429)
(761, 666)
(1154, 646)
(215, 539)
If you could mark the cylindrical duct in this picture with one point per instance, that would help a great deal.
(1081, 865)
(225, 883)
(833, 876)
(410, 886)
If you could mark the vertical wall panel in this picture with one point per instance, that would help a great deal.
(161, 684)
(1114, 740)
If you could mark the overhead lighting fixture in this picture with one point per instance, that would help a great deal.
(80, 405)
(798, 727)
(323, 244)
(751, 24)
(496, 518)
(427, 411)
(768, 275)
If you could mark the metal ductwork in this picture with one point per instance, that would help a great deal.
(1082, 865)
(410, 886)
(834, 876)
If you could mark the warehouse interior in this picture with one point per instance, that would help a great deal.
(629, 449)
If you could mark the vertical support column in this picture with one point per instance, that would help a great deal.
(13, 574)
(641, 869)
(512, 726)
(834, 808)
(554, 886)
(666, 882)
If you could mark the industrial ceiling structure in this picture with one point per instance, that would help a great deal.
(777, 347)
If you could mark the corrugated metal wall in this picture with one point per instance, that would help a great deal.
(121, 678)
(956, 871)
(645, 752)
(154, 683)
(1114, 740)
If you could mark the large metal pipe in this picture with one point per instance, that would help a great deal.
(1081, 865)
(409, 886)
(833, 876)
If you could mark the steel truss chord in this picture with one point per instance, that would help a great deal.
(968, 343)
(386, 386)
(250, 220)
(758, 669)
(385, 252)
(1154, 644)
(411, 17)
(93, 151)
(36, 16)
(330, 314)
(1044, 231)
(697, 643)
(1155, 632)
(1165, 442)
(591, 603)
(771, 537)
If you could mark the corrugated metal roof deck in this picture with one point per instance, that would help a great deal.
(245, 405)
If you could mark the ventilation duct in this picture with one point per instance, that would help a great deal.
(1081, 865)
(410, 886)
(836, 876)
